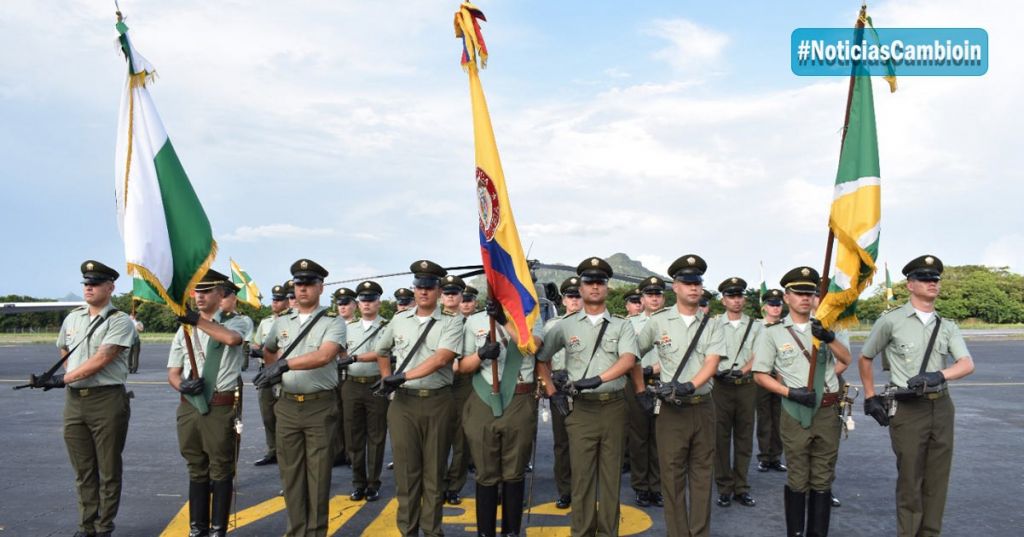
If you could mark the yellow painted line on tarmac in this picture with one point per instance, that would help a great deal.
(179, 524)
(384, 524)
(341, 510)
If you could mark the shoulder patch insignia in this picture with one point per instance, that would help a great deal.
(332, 313)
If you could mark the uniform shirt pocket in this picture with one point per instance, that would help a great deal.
(611, 345)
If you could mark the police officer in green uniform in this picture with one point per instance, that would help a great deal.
(403, 299)
(645, 473)
(421, 413)
(307, 410)
(289, 289)
(600, 351)
(572, 302)
(229, 305)
(735, 396)
(210, 402)
(809, 425)
(366, 416)
(921, 427)
(348, 310)
(452, 288)
(499, 428)
(468, 305)
(634, 303)
(96, 407)
(278, 307)
(686, 419)
(769, 405)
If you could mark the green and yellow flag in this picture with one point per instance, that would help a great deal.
(247, 290)
(856, 204)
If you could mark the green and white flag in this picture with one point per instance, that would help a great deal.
(168, 241)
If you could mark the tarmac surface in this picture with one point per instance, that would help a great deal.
(37, 496)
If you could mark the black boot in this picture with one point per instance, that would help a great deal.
(486, 510)
(512, 508)
(198, 509)
(796, 503)
(221, 508)
(819, 512)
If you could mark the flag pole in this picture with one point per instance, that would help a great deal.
(495, 383)
(823, 284)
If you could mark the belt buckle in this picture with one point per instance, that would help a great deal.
(423, 393)
(300, 398)
(84, 392)
(606, 396)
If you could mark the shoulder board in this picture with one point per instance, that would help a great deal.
(331, 313)
(353, 321)
(288, 311)
(383, 321)
(448, 314)
(226, 316)
(617, 316)
(890, 310)
(662, 310)
(773, 324)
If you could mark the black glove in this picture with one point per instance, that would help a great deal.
(346, 361)
(496, 312)
(933, 378)
(588, 383)
(646, 401)
(490, 351)
(803, 396)
(256, 353)
(735, 373)
(648, 373)
(271, 374)
(192, 386)
(873, 407)
(560, 379)
(560, 402)
(388, 384)
(47, 383)
(191, 317)
(820, 332)
(672, 390)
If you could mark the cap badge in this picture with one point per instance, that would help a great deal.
(573, 280)
(691, 260)
(733, 280)
(654, 280)
(88, 266)
(929, 260)
(594, 262)
(366, 285)
(423, 264)
(304, 264)
(806, 271)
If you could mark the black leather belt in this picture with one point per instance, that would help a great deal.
(365, 380)
(303, 397)
(86, 392)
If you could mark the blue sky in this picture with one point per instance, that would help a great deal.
(340, 131)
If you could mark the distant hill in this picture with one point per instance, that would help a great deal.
(621, 264)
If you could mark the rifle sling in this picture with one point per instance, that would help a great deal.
(92, 330)
(416, 346)
(302, 334)
(931, 345)
(742, 341)
(597, 343)
(368, 338)
(690, 349)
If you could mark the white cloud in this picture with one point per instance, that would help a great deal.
(277, 232)
(691, 47)
(1005, 251)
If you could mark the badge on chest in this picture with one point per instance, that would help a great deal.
(574, 344)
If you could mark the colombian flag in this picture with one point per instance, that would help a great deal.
(508, 276)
